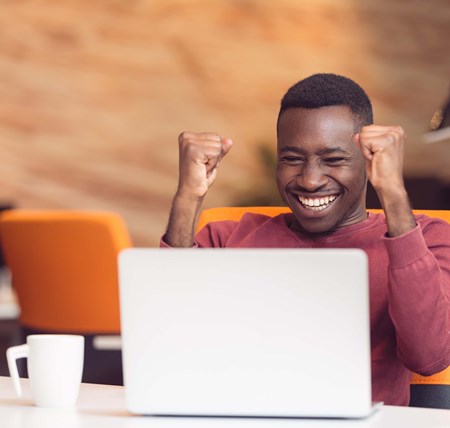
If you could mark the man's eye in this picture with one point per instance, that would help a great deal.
(335, 160)
(292, 159)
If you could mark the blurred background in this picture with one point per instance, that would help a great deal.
(93, 93)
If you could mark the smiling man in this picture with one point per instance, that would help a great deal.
(327, 150)
(320, 171)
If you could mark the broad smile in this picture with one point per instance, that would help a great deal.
(317, 203)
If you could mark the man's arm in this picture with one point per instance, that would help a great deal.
(199, 157)
(382, 147)
(419, 258)
(419, 295)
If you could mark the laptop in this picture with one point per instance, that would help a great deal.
(246, 332)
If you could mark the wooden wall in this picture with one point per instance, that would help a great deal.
(93, 93)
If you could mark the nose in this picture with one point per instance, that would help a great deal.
(311, 177)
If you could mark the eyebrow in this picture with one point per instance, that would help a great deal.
(327, 151)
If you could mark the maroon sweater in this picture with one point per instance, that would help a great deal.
(409, 279)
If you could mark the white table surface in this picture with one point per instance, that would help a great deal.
(104, 406)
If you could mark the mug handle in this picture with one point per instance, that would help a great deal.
(12, 354)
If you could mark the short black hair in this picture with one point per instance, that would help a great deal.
(327, 89)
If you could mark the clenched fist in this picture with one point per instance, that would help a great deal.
(199, 157)
(382, 147)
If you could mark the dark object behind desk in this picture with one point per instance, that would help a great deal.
(433, 396)
(424, 193)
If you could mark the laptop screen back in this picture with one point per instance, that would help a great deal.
(246, 332)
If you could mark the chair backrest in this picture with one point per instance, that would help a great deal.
(429, 391)
(64, 268)
(235, 213)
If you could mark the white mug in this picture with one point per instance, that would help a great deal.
(55, 367)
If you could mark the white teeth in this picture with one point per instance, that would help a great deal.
(317, 204)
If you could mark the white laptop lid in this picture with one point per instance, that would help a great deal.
(246, 332)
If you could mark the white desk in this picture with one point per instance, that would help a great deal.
(103, 406)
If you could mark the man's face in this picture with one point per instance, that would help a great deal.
(320, 171)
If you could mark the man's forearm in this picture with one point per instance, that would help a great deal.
(182, 221)
(396, 206)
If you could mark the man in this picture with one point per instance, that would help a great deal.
(327, 150)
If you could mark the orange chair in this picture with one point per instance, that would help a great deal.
(426, 391)
(64, 268)
(235, 213)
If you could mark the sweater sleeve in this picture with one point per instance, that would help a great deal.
(213, 235)
(221, 234)
(419, 295)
